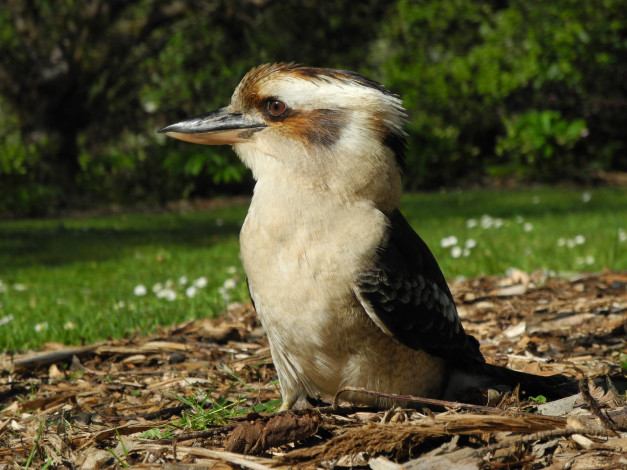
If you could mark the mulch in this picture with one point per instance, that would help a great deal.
(133, 402)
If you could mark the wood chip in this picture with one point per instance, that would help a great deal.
(98, 396)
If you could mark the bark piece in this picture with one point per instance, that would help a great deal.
(256, 436)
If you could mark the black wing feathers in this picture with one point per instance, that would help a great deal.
(407, 291)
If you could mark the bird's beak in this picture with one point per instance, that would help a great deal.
(219, 127)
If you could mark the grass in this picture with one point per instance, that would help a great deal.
(204, 412)
(533, 222)
(75, 280)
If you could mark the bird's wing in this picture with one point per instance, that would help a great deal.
(406, 295)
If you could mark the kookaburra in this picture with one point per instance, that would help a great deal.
(348, 294)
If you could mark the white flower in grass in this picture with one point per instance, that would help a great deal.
(466, 253)
(456, 252)
(157, 287)
(519, 219)
(448, 241)
(167, 294)
(6, 319)
(486, 221)
(231, 270)
(39, 327)
(471, 223)
(201, 282)
(191, 291)
(19, 287)
(572, 242)
(68, 325)
(527, 226)
(182, 280)
(586, 196)
(140, 290)
(229, 284)
(3, 288)
(588, 260)
(224, 292)
(622, 237)
(470, 243)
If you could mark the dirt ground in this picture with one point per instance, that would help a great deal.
(139, 402)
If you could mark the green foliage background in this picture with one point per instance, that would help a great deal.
(533, 89)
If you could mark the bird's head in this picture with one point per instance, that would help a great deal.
(328, 129)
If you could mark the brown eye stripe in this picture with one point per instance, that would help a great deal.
(318, 127)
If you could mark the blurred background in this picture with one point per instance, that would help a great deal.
(496, 90)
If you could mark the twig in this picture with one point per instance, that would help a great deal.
(48, 357)
(4, 425)
(246, 461)
(413, 399)
(530, 357)
(541, 436)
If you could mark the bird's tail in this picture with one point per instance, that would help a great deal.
(484, 375)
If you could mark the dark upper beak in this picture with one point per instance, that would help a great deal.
(219, 127)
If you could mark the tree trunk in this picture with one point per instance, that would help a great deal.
(58, 165)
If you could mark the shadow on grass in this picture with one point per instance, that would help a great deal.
(63, 242)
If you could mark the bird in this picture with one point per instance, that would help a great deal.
(347, 292)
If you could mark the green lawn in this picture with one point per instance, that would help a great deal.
(76, 279)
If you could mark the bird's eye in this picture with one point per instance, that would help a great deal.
(276, 107)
